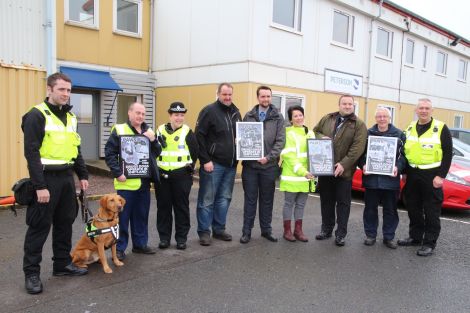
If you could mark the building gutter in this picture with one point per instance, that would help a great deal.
(369, 69)
(51, 42)
(152, 24)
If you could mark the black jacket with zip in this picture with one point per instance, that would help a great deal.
(215, 133)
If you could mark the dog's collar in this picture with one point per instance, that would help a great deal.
(99, 219)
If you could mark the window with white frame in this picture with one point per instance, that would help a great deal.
(283, 101)
(128, 17)
(288, 14)
(410, 50)
(458, 121)
(441, 63)
(425, 56)
(462, 70)
(391, 109)
(384, 42)
(343, 28)
(82, 12)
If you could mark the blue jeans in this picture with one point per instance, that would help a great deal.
(136, 211)
(214, 197)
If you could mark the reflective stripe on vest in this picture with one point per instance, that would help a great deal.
(176, 153)
(60, 143)
(424, 152)
(130, 183)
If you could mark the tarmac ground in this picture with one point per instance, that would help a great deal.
(260, 276)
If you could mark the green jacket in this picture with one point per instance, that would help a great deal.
(349, 142)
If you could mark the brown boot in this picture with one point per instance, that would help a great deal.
(298, 233)
(288, 232)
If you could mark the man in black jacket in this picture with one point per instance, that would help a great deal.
(215, 133)
(52, 151)
(382, 188)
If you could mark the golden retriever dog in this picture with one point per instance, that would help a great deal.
(90, 249)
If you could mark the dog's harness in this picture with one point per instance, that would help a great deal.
(90, 229)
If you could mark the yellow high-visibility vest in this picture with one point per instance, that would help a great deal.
(176, 153)
(424, 152)
(60, 143)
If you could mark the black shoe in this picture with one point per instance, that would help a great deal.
(181, 245)
(70, 270)
(205, 239)
(390, 243)
(425, 251)
(222, 236)
(269, 236)
(143, 250)
(121, 255)
(323, 235)
(369, 241)
(33, 284)
(163, 244)
(339, 241)
(409, 242)
(245, 238)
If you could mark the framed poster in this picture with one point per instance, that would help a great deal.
(250, 144)
(381, 155)
(134, 155)
(320, 157)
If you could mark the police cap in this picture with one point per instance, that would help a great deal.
(177, 107)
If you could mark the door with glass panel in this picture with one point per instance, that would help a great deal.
(85, 107)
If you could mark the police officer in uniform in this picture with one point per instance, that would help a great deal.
(176, 166)
(136, 191)
(52, 151)
(428, 149)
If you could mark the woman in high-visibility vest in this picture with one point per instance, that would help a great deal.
(296, 180)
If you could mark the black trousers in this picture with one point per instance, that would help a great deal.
(258, 184)
(335, 197)
(173, 195)
(424, 204)
(60, 213)
(388, 199)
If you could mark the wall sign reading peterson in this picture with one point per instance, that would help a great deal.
(381, 155)
(250, 144)
(134, 154)
(320, 157)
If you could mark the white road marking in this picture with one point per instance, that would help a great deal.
(402, 211)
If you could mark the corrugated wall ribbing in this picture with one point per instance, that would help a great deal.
(19, 90)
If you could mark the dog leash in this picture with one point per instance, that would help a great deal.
(86, 213)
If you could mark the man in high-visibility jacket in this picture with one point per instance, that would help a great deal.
(428, 149)
(52, 151)
(136, 191)
(176, 166)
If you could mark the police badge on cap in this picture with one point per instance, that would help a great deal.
(177, 107)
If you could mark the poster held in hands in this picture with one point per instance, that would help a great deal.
(320, 157)
(134, 155)
(250, 144)
(381, 155)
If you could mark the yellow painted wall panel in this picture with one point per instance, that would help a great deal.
(20, 89)
(102, 46)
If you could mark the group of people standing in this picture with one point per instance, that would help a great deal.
(52, 151)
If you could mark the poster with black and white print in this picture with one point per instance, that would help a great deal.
(250, 144)
(381, 155)
(135, 156)
(320, 157)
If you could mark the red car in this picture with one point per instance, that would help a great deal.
(456, 185)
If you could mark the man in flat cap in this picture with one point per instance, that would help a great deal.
(176, 166)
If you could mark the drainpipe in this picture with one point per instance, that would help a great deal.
(408, 27)
(51, 42)
(369, 70)
(152, 22)
(152, 32)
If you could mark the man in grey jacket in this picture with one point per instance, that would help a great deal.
(258, 177)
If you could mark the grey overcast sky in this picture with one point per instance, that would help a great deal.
(453, 15)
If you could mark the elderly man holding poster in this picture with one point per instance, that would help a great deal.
(382, 188)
